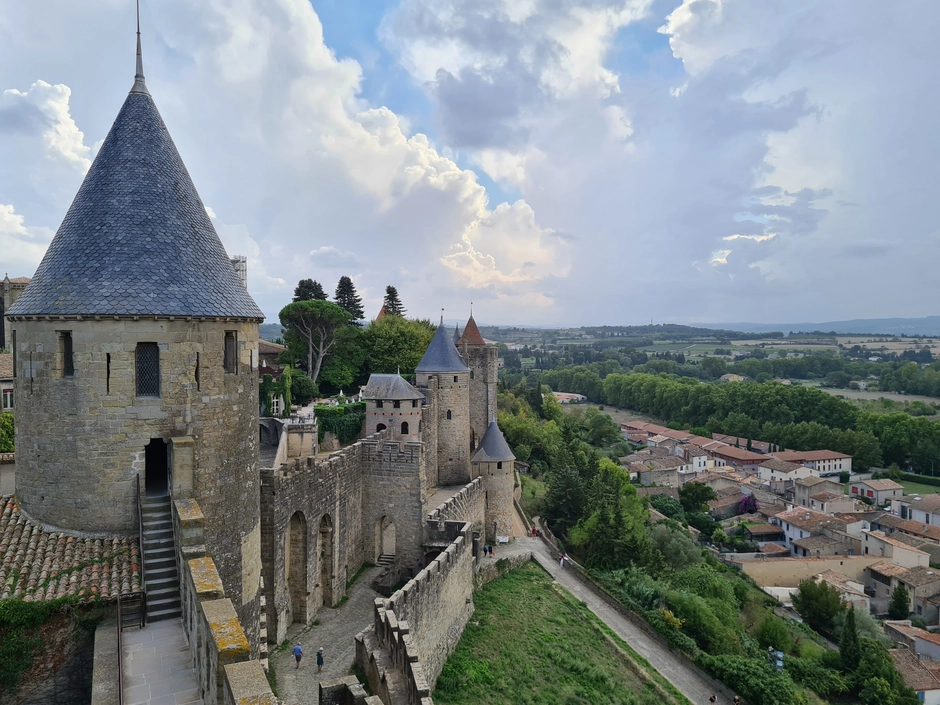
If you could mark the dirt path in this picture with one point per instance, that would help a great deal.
(335, 632)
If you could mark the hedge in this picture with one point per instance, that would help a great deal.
(344, 421)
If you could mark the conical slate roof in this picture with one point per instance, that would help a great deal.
(441, 355)
(136, 239)
(471, 334)
(493, 448)
(456, 335)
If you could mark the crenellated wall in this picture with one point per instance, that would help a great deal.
(225, 672)
(467, 505)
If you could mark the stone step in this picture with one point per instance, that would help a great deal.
(159, 553)
(162, 601)
(161, 583)
(160, 615)
(385, 559)
(159, 574)
(152, 566)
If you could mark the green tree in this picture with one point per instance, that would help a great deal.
(6, 432)
(551, 408)
(286, 390)
(900, 606)
(678, 549)
(395, 344)
(773, 632)
(302, 389)
(347, 297)
(694, 495)
(848, 642)
(666, 505)
(317, 324)
(309, 290)
(817, 603)
(392, 303)
(714, 367)
(564, 501)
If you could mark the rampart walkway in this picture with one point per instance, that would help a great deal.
(158, 667)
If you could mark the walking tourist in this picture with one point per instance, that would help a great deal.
(319, 659)
(298, 653)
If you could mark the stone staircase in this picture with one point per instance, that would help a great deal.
(386, 559)
(159, 552)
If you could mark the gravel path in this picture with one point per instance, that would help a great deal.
(335, 633)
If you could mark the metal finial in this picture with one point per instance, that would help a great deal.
(442, 315)
(471, 309)
(139, 85)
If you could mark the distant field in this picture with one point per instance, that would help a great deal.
(531, 643)
(875, 342)
(618, 415)
(859, 394)
(918, 488)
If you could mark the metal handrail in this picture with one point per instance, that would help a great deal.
(120, 651)
(140, 556)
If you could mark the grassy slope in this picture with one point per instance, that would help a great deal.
(529, 642)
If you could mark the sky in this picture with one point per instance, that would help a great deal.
(555, 162)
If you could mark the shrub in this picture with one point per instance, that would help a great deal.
(753, 678)
(700, 622)
(813, 674)
(772, 632)
(302, 389)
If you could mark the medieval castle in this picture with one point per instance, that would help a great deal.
(136, 373)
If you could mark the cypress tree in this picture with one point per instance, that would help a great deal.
(309, 290)
(392, 303)
(848, 642)
(347, 297)
(900, 606)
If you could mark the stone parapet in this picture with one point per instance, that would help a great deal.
(466, 505)
(247, 684)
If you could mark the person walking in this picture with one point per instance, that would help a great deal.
(713, 698)
(298, 653)
(319, 659)
(561, 561)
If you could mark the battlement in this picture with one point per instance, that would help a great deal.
(463, 506)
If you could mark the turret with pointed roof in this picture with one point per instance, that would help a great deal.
(493, 463)
(471, 334)
(137, 239)
(493, 447)
(441, 355)
(137, 346)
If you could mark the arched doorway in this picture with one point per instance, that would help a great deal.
(404, 428)
(325, 556)
(295, 566)
(384, 540)
(380, 427)
(157, 468)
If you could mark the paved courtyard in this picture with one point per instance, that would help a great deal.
(334, 629)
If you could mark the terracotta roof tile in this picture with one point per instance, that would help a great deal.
(40, 565)
(471, 334)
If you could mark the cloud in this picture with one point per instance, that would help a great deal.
(334, 258)
(23, 246)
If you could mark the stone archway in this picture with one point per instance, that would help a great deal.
(325, 538)
(295, 566)
(384, 538)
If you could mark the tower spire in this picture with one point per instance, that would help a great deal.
(139, 85)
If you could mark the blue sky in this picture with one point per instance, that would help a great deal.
(555, 161)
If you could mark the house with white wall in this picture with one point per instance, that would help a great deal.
(878, 492)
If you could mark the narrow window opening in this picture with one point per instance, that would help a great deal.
(107, 382)
(198, 384)
(499, 465)
(378, 403)
(396, 404)
(30, 372)
(13, 341)
(448, 415)
(231, 358)
(455, 378)
(414, 403)
(148, 370)
(65, 350)
(7, 398)
(471, 374)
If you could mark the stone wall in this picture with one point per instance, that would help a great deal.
(432, 609)
(82, 438)
(788, 572)
(483, 364)
(467, 505)
(226, 673)
(452, 396)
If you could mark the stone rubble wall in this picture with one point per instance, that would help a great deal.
(418, 627)
(225, 670)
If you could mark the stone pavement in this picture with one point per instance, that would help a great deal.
(335, 632)
(158, 668)
(682, 675)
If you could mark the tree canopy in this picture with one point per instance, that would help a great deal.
(309, 290)
(347, 298)
(392, 304)
(817, 603)
(317, 325)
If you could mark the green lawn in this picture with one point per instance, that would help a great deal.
(918, 488)
(533, 494)
(531, 643)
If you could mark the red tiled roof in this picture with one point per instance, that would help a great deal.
(40, 565)
(471, 334)
(880, 485)
(739, 454)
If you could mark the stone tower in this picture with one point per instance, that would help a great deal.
(135, 356)
(483, 363)
(493, 461)
(447, 380)
(394, 404)
(12, 288)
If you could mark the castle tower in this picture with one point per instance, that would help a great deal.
(483, 363)
(135, 355)
(394, 404)
(12, 288)
(447, 380)
(493, 461)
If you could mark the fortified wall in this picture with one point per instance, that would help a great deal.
(322, 519)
